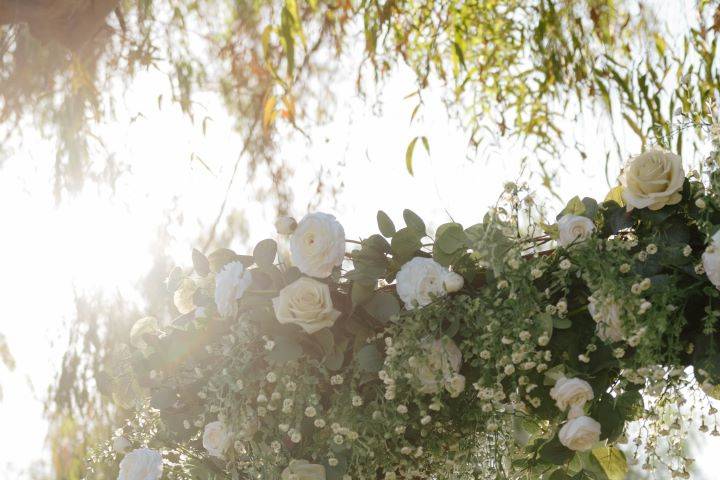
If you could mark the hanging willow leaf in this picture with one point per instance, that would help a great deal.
(409, 155)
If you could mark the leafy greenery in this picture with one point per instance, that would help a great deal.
(514, 67)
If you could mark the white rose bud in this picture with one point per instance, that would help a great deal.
(230, 285)
(711, 260)
(141, 464)
(574, 228)
(216, 439)
(419, 281)
(306, 302)
(580, 434)
(303, 470)
(571, 392)
(318, 245)
(285, 225)
(652, 180)
(453, 282)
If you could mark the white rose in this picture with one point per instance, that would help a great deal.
(419, 281)
(607, 316)
(571, 392)
(230, 285)
(285, 225)
(318, 245)
(438, 367)
(580, 434)
(141, 464)
(652, 180)
(120, 444)
(303, 470)
(183, 297)
(711, 260)
(306, 303)
(216, 439)
(574, 228)
(453, 282)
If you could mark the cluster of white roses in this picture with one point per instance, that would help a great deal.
(317, 246)
(580, 432)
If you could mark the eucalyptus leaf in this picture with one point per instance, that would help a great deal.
(370, 359)
(361, 292)
(382, 306)
(386, 226)
(200, 263)
(265, 252)
(405, 243)
(450, 237)
(555, 452)
(285, 350)
(413, 221)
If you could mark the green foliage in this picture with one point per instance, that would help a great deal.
(511, 68)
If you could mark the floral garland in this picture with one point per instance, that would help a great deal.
(501, 350)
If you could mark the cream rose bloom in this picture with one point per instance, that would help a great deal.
(711, 260)
(303, 470)
(183, 297)
(438, 366)
(318, 245)
(571, 392)
(606, 314)
(141, 464)
(652, 180)
(230, 285)
(419, 281)
(574, 228)
(216, 439)
(306, 302)
(580, 434)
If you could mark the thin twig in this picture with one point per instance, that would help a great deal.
(213, 230)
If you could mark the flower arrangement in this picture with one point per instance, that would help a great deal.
(499, 350)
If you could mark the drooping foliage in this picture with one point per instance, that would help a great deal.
(514, 67)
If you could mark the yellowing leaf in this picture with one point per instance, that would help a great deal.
(409, 155)
(269, 112)
(615, 195)
(612, 461)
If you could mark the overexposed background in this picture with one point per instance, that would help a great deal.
(100, 240)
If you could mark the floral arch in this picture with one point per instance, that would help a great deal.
(506, 349)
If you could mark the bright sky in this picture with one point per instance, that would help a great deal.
(97, 241)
